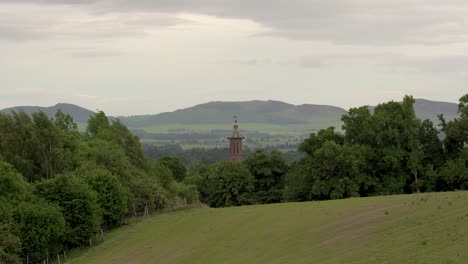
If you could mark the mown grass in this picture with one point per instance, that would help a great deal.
(418, 228)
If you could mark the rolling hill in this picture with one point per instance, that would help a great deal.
(261, 116)
(265, 112)
(272, 112)
(417, 228)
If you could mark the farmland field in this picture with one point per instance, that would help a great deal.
(418, 228)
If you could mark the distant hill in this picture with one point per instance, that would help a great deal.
(426, 109)
(79, 114)
(253, 112)
(266, 112)
(272, 112)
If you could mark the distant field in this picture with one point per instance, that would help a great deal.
(418, 228)
(259, 127)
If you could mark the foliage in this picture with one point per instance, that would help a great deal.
(226, 184)
(12, 185)
(78, 203)
(112, 196)
(389, 151)
(147, 192)
(177, 168)
(41, 228)
(188, 192)
(10, 246)
(268, 171)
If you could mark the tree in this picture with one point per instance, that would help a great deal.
(227, 184)
(12, 185)
(161, 172)
(454, 174)
(50, 148)
(65, 122)
(98, 125)
(112, 197)
(107, 155)
(41, 228)
(178, 168)
(18, 144)
(10, 246)
(456, 131)
(268, 171)
(299, 180)
(130, 144)
(148, 192)
(315, 141)
(78, 203)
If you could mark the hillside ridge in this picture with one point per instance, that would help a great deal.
(254, 111)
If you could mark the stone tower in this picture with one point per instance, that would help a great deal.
(235, 140)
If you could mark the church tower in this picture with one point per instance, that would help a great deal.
(235, 140)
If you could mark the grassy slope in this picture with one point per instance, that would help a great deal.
(420, 228)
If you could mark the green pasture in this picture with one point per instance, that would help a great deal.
(418, 228)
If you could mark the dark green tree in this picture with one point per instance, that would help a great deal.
(268, 171)
(78, 203)
(112, 196)
(130, 144)
(10, 246)
(178, 169)
(227, 184)
(12, 185)
(41, 228)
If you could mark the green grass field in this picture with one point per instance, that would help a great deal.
(418, 228)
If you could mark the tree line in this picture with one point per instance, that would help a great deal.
(59, 187)
(381, 152)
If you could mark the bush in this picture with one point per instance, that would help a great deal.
(112, 196)
(227, 184)
(41, 227)
(187, 192)
(12, 184)
(78, 203)
(10, 246)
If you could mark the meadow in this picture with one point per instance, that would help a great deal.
(417, 228)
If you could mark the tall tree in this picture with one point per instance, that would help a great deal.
(268, 171)
(78, 203)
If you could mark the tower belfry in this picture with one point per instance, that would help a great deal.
(235, 141)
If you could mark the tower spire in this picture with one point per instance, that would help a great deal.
(235, 141)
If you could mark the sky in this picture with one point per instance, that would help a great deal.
(129, 57)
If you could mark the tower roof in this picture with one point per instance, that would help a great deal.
(235, 131)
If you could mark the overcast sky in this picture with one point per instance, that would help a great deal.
(143, 57)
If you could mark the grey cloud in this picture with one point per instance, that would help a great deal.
(364, 22)
(25, 27)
